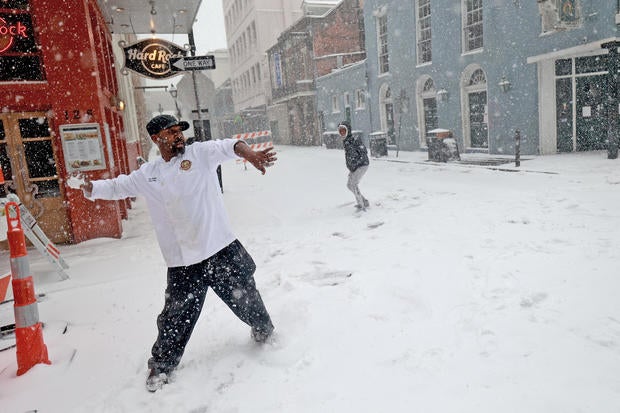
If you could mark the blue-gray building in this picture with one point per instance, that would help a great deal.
(483, 69)
(342, 95)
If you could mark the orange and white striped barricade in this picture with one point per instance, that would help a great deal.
(257, 141)
(31, 349)
(39, 240)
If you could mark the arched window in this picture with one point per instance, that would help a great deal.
(477, 78)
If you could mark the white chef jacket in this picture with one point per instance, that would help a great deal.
(184, 199)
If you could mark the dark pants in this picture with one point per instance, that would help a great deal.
(230, 274)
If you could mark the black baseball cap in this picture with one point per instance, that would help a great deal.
(161, 122)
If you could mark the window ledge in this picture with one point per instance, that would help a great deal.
(618, 18)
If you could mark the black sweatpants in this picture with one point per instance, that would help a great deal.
(230, 274)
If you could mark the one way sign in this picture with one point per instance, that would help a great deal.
(205, 62)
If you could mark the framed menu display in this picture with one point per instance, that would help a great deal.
(82, 146)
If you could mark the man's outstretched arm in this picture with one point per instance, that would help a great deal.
(260, 159)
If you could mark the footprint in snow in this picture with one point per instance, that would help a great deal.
(374, 225)
(328, 278)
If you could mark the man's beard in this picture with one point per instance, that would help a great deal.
(178, 149)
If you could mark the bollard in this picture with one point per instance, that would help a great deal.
(517, 148)
(31, 349)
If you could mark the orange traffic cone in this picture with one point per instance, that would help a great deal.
(31, 349)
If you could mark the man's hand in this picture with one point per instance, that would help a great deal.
(78, 180)
(260, 159)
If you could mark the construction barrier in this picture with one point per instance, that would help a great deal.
(37, 237)
(31, 349)
(252, 135)
(256, 140)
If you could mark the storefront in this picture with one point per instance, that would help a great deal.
(60, 112)
(572, 93)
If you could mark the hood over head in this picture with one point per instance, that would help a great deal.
(347, 125)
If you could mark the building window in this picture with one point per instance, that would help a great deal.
(472, 25)
(360, 99)
(347, 100)
(423, 10)
(20, 55)
(477, 78)
(382, 42)
(277, 70)
(335, 105)
(253, 34)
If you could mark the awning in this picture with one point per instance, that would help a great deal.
(150, 16)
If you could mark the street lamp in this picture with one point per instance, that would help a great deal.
(174, 92)
(504, 84)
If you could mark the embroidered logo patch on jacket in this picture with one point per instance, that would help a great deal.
(186, 164)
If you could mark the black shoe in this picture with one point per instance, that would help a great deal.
(366, 203)
(155, 380)
(261, 335)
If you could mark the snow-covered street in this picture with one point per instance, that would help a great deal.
(462, 289)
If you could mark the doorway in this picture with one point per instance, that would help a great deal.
(478, 128)
(29, 164)
(591, 115)
(580, 93)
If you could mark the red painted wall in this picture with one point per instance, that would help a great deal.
(80, 80)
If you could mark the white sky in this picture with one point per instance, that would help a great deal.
(462, 289)
(209, 30)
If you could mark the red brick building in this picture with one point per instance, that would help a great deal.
(60, 111)
(312, 47)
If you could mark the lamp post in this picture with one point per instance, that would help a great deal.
(174, 93)
(612, 103)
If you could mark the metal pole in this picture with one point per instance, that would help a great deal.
(192, 50)
(612, 103)
(517, 148)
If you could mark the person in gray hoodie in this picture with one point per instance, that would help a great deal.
(356, 158)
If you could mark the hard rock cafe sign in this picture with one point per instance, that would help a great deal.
(10, 32)
(151, 57)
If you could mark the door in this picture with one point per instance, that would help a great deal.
(478, 128)
(591, 115)
(564, 114)
(431, 120)
(389, 118)
(29, 163)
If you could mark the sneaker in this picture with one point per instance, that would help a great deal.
(155, 380)
(260, 335)
(360, 208)
(366, 203)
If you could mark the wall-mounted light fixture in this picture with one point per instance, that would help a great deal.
(153, 9)
(504, 84)
(442, 95)
(117, 103)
